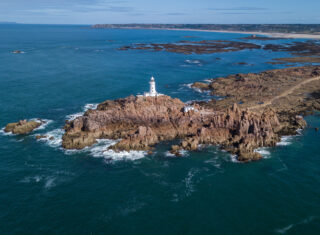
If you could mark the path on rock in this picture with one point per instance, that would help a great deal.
(285, 93)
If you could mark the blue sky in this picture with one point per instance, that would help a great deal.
(160, 11)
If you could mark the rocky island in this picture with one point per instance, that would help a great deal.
(23, 127)
(256, 110)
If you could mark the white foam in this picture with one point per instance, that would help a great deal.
(214, 162)
(85, 108)
(189, 182)
(20, 52)
(299, 131)
(168, 154)
(189, 85)
(285, 140)
(285, 229)
(290, 226)
(182, 152)
(44, 123)
(49, 182)
(197, 62)
(2, 132)
(234, 158)
(102, 150)
(32, 179)
(265, 153)
(53, 138)
(197, 89)
(71, 117)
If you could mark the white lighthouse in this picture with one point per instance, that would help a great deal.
(152, 92)
(152, 83)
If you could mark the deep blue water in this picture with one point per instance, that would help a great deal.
(45, 190)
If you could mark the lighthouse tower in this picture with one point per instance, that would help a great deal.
(152, 92)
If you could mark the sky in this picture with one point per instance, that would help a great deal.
(160, 11)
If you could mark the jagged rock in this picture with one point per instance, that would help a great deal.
(201, 85)
(22, 127)
(142, 122)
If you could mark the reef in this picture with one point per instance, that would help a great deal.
(305, 48)
(22, 127)
(197, 47)
(300, 59)
(261, 38)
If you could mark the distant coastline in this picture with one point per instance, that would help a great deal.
(274, 35)
(291, 31)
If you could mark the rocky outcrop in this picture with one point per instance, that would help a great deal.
(22, 127)
(256, 110)
(201, 85)
(141, 122)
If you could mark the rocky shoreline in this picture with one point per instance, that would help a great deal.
(142, 122)
(257, 109)
(254, 110)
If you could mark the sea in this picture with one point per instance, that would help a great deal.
(64, 70)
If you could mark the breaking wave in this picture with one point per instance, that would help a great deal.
(265, 153)
(43, 125)
(101, 149)
(290, 226)
(234, 158)
(189, 85)
(53, 138)
(285, 140)
(85, 108)
(183, 153)
(2, 132)
(195, 62)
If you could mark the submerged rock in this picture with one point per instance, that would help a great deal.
(41, 137)
(22, 127)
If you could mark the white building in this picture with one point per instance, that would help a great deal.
(153, 92)
(188, 109)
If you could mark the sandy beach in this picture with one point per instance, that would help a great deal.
(274, 35)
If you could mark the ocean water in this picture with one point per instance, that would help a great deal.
(66, 70)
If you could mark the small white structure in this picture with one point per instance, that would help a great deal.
(188, 109)
(153, 92)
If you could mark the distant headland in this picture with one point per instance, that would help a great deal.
(311, 31)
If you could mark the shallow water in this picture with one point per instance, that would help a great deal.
(46, 190)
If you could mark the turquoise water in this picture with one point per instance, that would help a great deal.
(46, 190)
